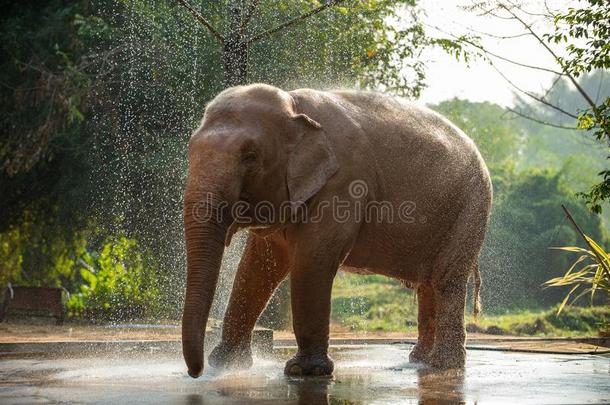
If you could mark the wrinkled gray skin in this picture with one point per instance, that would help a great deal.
(259, 143)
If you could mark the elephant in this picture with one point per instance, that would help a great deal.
(300, 170)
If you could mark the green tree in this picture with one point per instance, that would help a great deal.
(589, 24)
(98, 100)
(581, 32)
(168, 66)
(43, 168)
(385, 55)
(534, 172)
(526, 220)
(580, 159)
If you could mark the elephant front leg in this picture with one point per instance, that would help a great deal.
(310, 286)
(262, 268)
(425, 323)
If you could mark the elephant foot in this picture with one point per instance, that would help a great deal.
(226, 356)
(420, 353)
(447, 359)
(309, 365)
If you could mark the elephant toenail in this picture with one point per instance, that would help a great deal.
(296, 370)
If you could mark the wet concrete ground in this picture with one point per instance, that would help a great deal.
(376, 374)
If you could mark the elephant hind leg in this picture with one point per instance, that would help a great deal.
(457, 260)
(450, 336)
(425, 323)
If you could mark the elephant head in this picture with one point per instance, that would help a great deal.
(252, 146)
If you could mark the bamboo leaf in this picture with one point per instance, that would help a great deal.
(565, 300)
(571, 249)
(580, 295)
(596, 280)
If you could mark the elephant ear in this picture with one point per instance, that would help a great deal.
(311, 163)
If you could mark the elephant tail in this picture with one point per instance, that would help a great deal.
(476, 308)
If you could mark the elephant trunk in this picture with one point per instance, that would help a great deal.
(205, 230)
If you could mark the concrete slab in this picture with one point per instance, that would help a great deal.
(364, 374)
(262, 343)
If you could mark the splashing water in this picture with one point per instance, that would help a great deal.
(373, 374)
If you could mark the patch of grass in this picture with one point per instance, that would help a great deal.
(373, 302)
(572, 321)
(378, 303)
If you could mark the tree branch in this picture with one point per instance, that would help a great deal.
(548, 91)
(599, 86)
(202, 20)
(248, 16)
(488, 34)
(495, 55)
(520, 7)
(539, 99)
(480, 7)
(557, 59)
(295, 20)
(539, 121)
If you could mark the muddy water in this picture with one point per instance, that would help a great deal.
(373, 374)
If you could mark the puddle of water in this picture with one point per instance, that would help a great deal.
(373, 374)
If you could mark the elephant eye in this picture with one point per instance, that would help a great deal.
(249, 157)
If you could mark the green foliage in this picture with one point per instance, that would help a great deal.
(11, 256)
(43, 173)
(351, 45)
(42, 86)
(580, 160)
(526, 220)
(31, 257)
(597, 120)
(526, 217)
(590, 24)
(99, 98)
(119, 283)
(587, 30)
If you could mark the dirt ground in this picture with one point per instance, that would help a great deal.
(19, 332)
(40, 333)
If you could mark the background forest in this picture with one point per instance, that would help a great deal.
(98, 100)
